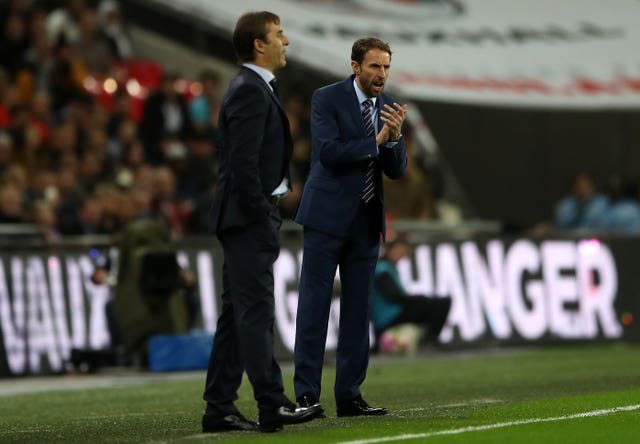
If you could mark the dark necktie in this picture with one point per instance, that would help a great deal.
(368, 190)
(274, 85)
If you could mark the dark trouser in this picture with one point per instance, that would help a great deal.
(431, 312)
(244, 334)
(356, 255)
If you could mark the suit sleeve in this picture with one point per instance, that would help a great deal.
(394, 160)
(393, 156)
(247, 113)
(338, 143)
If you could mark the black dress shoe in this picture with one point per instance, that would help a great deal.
(308, 401)
(359, 407)
(274, 420)
(229, 423)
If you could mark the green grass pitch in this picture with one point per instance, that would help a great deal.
(561, 394)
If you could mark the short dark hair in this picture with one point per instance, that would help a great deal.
(251, 25)
(361, 46)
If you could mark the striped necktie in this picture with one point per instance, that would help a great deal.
(368, 189)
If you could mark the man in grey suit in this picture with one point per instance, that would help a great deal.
(254, 148)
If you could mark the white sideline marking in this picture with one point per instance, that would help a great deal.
(592, 413)
(126, 415)
(471, 402)
(7, 432)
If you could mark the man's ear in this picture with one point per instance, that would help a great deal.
(356, 67)
(258, 46)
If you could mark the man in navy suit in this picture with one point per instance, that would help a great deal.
(356, 136)
(254, 148)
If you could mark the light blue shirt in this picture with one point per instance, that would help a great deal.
(374, 111)
(266, 75)
(361, 98)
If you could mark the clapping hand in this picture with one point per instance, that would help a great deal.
(393, 118)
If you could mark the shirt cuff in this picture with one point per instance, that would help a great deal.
(390, 144)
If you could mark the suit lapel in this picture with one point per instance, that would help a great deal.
(255, 78)
(379, 105)
(252, 76)
(352, 104)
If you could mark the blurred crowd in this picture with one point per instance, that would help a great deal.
(613, 207)
(92, 137)
(82, 149)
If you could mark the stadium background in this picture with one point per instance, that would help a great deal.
(496, 171)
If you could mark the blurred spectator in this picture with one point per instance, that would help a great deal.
(120, 113)
(70, 196)
(85, 111)
(132, 159)
(83, 220)
(65, 21)
(69, 190)
(584, 208)
(201, 213)
(36, 67)
(391, 305)
(96, 143)
(110, 198)
(67, 75)
(143, 178)
(43, 186)
(8, 7)
(5, 98)
(142, 199)
(195, 167)
(44, 218)
(165, 205)
(14, 43)
(623, 212)
(90, 170)
(205, 107)
(64, 140)
(409, 197)
(40, 114)
(122, 133)
(18, 123)
(164, 118)
(6, 150)
(297, 109)
(93, 47)
(37, 14)
(16, 175)
(11, 204)
(111, 24)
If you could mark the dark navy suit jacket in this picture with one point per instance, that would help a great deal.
(340, 154)
(254, 149)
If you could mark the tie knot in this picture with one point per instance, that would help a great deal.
(367, 103)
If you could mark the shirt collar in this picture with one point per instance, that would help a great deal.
(362, 96)
(266, 75)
